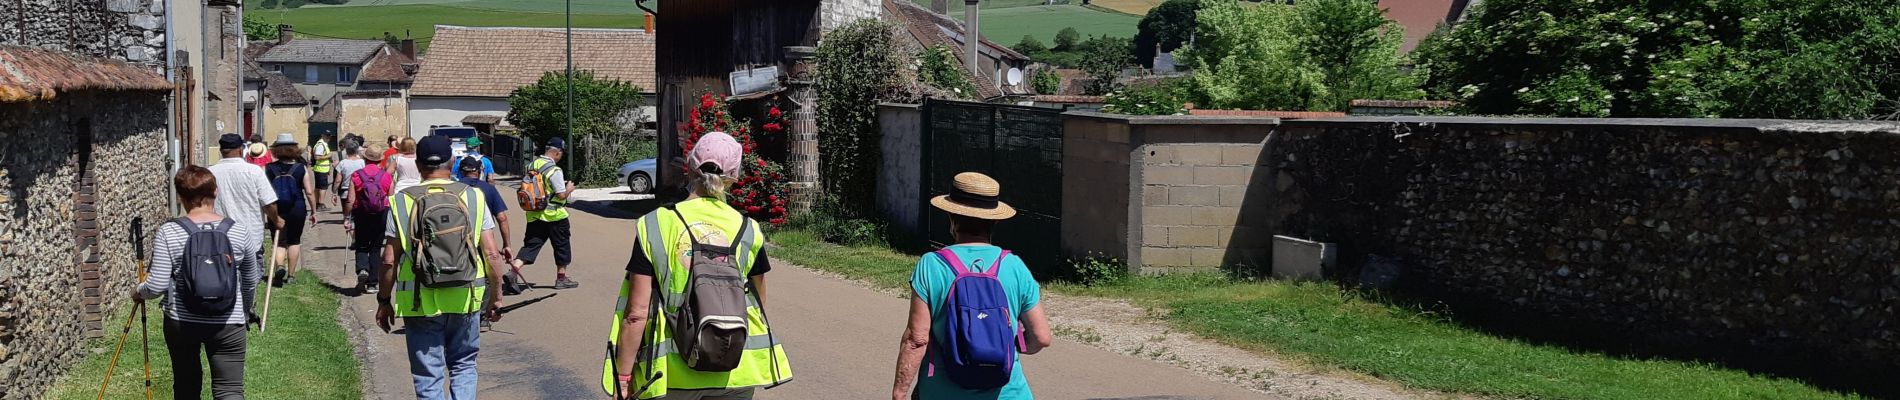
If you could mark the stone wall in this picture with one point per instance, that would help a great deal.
(286, 119)
(374, 114)
(899, 179)
(1162, 193)
(64, 264)
(125, 30)
(1779, 237)
(837, 13)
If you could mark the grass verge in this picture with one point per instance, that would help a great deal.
(1318, 323)
(305, 355)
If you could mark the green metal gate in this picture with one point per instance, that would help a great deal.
(1019, 146)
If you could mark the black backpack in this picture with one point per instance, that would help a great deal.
(206, 279)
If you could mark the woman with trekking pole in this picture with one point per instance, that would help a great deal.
(205, 269)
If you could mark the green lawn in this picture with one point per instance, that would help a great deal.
(1006, 26)
(421, 19)
(305, 355)
(1316, 323)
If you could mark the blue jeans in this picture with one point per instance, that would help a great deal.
(443, 343)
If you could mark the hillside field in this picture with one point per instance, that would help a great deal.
(421, 19)
(1006, 26)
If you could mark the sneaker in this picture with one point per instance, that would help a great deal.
(564, 283)
(362, 280)
(280, 278)
(372, 289)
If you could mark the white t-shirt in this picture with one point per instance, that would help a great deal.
(243, 191)
(345, 169)
(406, 173)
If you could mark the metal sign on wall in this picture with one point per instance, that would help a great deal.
(754, 81)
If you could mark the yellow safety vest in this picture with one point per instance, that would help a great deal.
(557, 208)
(323, 161)
(436, 301)
(764, 362)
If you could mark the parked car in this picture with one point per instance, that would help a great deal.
(638, 175)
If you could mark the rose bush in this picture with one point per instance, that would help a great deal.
(760, 192)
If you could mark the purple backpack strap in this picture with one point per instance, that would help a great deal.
(998, 267)
(956, 264)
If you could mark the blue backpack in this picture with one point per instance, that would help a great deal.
(980, 350)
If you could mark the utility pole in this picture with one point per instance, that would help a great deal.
(570, 80)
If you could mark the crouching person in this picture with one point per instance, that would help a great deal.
(205, 267)
(438, 264)
(690, 321)
(973, 307)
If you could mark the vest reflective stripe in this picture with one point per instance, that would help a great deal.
(763, 362)
(557, 208)
(322, 166)
(436, 301)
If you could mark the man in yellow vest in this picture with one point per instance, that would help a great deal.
(671, 246)
(321, 158)
(550, 225)
(438, 263)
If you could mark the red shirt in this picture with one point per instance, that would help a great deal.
(261, 161)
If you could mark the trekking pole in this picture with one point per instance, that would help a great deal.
(145, 336)
(263, 320)
(124, 332)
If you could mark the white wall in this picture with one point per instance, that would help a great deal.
(427, 111)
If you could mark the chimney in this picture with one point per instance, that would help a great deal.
(283, 33)
(940, 6)
(408, 47)
(972, 38)
(649, 24)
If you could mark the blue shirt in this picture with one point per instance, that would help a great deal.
(931, 280)
(488, 167)
(489, 194)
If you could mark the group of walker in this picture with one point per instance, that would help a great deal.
(689, 320)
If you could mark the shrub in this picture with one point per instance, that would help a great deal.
(1144, 100)
(856, 65)
(940, 70)
(761, 191)
(1096, 269)
(1046, 81)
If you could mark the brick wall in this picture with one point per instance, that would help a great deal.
(1163, 193)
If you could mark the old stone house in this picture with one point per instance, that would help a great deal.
(471, 71)
(83, 136)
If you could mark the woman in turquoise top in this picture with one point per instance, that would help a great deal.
(974, 209)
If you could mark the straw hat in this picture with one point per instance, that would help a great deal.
(974, 195)
(257, 149)
(372, 153)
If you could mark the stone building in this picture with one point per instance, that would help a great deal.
(83, 122)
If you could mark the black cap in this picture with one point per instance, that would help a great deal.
(230, 141)
(557, 143)
(469, 164)
(433, 150)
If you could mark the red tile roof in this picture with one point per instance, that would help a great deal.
(1404, 103)
(387, 66)
(28, 74)
(492, 62)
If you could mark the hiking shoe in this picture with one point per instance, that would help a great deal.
(564, 283)
(280, 277)
(362, 281)
(371, 289)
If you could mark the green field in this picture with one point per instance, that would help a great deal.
(420, 19)
(1005, 26)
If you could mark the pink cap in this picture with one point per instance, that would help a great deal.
(719, 149)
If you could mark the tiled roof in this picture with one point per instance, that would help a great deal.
(387, 66)
(1075, 82)
(1404, 103)
(492, 62)
(323, 51)
(929, 29)
(281, 92)
(254, 72)
(331, 110)
(1270, 113)
(1419, 17)
(28, 74)
(482, 119)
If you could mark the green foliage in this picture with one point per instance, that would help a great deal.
(1103, 58)
(1812, 59)
(267, 4)
(855, 65)
(604, 112)
(1168, 25)
(834, 222)
(1317, 55)
(1067, 38)
(1046, 81)
(1097, 269)
(1029, 45)
(1144, 100)
(939, 69)
(256, 29)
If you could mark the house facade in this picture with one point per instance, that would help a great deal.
(322, 68)
(464, 83)
(83, 134)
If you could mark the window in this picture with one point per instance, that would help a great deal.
(277, 67)
(309, 74)
(345, 75)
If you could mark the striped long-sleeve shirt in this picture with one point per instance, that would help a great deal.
(168, 251)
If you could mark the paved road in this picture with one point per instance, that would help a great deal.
(842, 338)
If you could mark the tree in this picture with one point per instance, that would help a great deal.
(1030, 46)
(601, 105)
(855, 65)
(1067, 38)
(1046, 81)
(1103, 58)
(1316, 55)
(257, 29)
(1809, 59)
(1168, 25)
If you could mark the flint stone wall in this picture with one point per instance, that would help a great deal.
(1779, 236)
(125, 30)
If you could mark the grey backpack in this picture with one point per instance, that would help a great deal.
(442, 236)
(710, 329)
